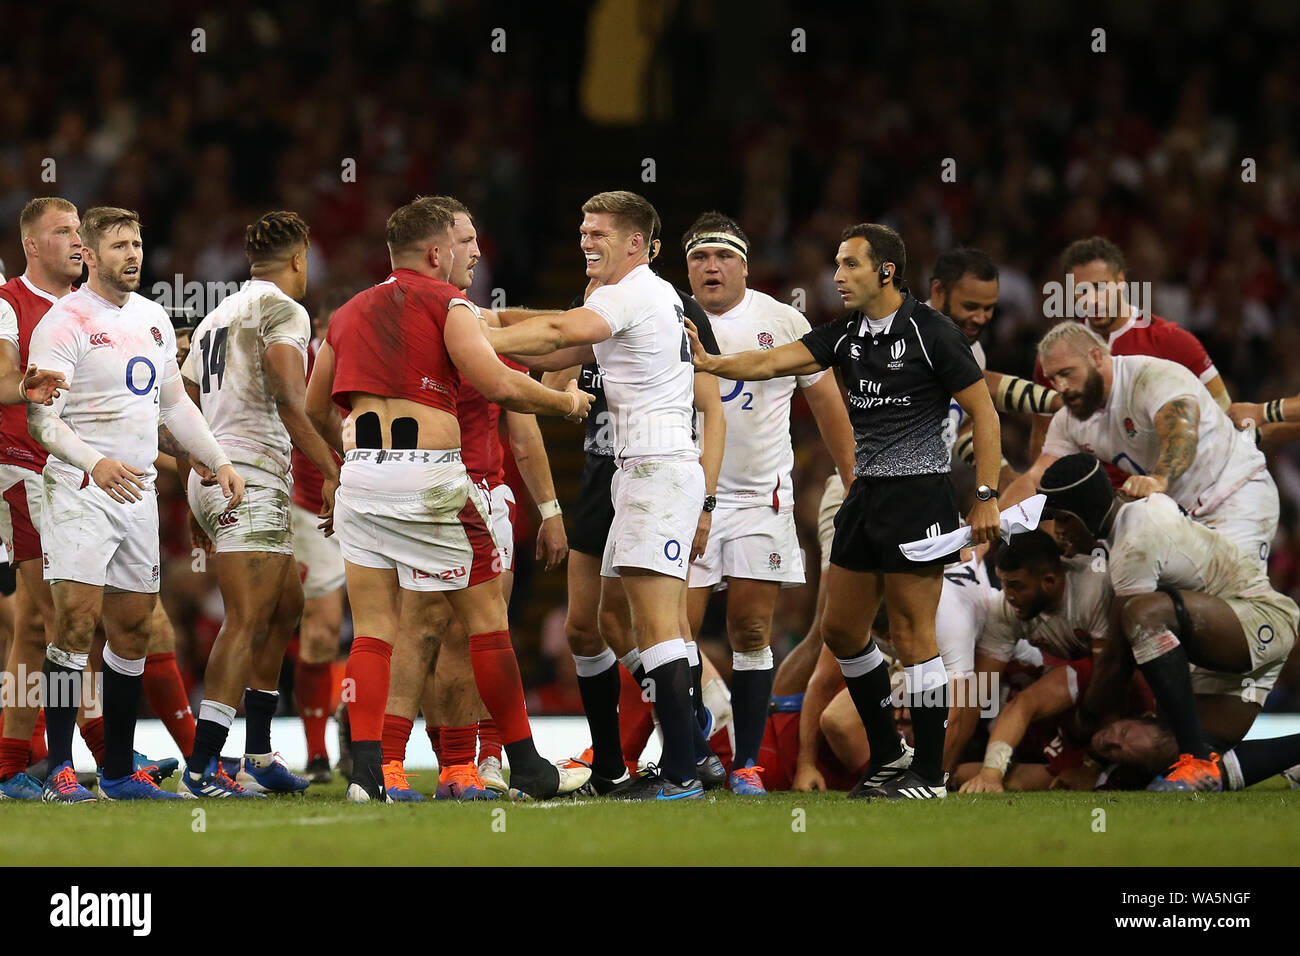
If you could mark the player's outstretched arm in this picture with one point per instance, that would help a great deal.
(832, 417)
(323, 414)
(1013, 394)
(549, 332)
(535, 468)
(184, 420)
(756, 365)
(475, 359)
(33, 385)
(1049, 696)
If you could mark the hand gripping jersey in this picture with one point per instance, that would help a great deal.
(227, 362)
(388, 342)
(22, 306)
(758, 457)
(1123, 433)
(648, 375)
(116, 361)
(1067, 632)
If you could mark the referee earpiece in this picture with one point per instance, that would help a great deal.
(884, 275)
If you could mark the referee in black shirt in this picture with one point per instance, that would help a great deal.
(901, 362)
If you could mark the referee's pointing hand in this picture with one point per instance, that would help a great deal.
(698, 354)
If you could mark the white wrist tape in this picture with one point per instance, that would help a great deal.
(997, 756)
(549, 509)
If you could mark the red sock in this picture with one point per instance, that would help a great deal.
(636, 720)
(369, 667)
(496, 672)
(92, 732)
(435, 739)
(165, 691)
(39, 750)
(458, 744)
(397, 731)
(15, 756)
(312, 687)
(489, 739)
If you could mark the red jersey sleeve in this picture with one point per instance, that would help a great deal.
(1179, 345)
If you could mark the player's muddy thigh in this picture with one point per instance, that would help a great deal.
(1216, 640)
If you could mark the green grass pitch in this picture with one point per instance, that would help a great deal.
(1255, 828)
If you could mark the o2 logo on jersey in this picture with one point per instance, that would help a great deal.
(673, 551)
(1129, 428)
(765, 340)
(132, 376)
(1264, 636)
(748, 404)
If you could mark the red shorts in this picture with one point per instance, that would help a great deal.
(778, 755)
(20, 512)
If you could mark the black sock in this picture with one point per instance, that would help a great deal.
(1171, 683)
(367, 769)
(121, 704)
(697, 696)
(929, 727)
(872, 696)
(1261, 759)
(259, 708)
(61, 692)
(600, 694)
(209, 738)
(750, 693)
(670, 692)
(523, 757)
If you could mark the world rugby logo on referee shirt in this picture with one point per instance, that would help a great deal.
(896, 353)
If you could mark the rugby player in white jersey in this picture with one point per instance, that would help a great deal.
(752, 543)
(1184, 595)
(1154, 420)
(247, 372)
(634, 327)
(99, 532)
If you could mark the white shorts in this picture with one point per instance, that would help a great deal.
(1269, 624)
(1248, 517)
(657, 504)
(260, 523)
(501, 506)
(1251, 688)
(963, 607)
(417, 513)
(88, 537)
(320, 563)
(20, 513)
(832, 498)
(756, 544)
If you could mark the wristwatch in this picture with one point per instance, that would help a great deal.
(710, 502)
(985, 493)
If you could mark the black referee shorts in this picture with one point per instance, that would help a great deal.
(595, 510)
(879, 514)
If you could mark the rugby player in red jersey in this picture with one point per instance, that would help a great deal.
(409, 518)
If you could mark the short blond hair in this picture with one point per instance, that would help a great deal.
(416, 223)
(631, 212)
(1075, 335)
(38, 207)
(96, 223)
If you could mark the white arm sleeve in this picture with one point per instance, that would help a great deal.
(59, 440)
(186, 422)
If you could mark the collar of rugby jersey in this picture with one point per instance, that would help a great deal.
(99, 298)
(902, 313)
(35, 291)
(736, 309)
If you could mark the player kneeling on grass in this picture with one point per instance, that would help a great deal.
(1184, 595)
(100, 530)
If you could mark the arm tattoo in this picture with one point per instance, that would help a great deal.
(1177, 426)
(168, 445)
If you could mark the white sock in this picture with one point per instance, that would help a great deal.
(665, 653)
(591, 666)
(122, 665)
(760, 660)
(631, 660)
